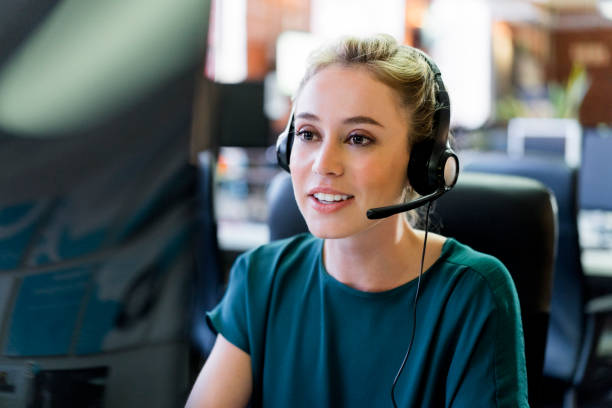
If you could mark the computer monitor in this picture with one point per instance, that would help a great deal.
(545, 137)
(595, 186)
(241, 120)
(97, 227)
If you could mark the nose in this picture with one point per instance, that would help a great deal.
(328, 160)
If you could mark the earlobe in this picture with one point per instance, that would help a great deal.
(407, 192)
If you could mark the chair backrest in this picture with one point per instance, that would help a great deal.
(284, 217)
(565, 331)
(207, 287)
(513, 219)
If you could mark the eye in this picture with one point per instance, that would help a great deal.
(360, 140)
(306, 135)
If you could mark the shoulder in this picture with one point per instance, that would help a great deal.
(241, 314)
(481, 271)
(463, 255)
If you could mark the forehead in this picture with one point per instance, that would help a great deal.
(349, 90)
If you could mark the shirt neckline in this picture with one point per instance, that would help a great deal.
(327, 277)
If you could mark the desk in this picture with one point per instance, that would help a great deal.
(240, 236)
(597, 267)
(597, 262)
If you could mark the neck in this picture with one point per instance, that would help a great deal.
(381, 258)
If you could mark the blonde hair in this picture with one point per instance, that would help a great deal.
(401, 67)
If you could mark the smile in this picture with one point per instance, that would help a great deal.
(327, 203)
(330, 198)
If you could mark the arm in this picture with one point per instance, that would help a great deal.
(225, 379)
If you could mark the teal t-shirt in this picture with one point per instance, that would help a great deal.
(316, 342)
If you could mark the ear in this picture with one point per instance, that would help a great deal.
(407, 192)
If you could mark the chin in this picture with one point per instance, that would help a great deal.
(341, 224)
(324, 234)
(333, 229)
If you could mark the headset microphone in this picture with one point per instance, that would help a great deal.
(445, 174)
(384, 212)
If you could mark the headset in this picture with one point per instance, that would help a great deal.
(433, 167)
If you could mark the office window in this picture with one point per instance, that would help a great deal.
(228, 42)
(457, 34)
(330, 19)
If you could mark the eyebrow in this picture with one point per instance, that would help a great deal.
(352, 120)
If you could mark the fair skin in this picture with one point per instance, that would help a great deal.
(225, 380)
(351, 144)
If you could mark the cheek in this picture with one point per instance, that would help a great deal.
(299, 177)
(298, 157)
(298, 165)
(296, 178)
(382, 176)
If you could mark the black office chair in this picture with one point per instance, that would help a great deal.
(513, 219)
(284, 217)
(208, 283)
(574, 324)
(509, 217)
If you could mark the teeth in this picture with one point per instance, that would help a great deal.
(330, 197)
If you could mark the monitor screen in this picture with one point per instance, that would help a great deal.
(241, 118)
(595, 184)
(545, 137)
(544, 146)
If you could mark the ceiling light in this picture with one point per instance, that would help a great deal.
(605, 7)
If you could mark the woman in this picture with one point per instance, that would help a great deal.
(325, 319)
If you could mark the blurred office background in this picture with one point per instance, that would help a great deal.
(136, 153)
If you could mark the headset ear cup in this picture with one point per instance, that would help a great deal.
(418, 167)
(281, 152)
(284, 144)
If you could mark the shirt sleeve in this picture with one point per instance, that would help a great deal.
(488, 367)
(230, 316)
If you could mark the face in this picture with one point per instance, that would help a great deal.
(350, 152)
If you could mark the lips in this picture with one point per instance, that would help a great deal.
(326, 200)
